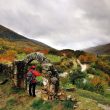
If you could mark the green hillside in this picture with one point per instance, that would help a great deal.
(83, 76)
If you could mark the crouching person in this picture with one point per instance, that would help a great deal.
(53, 82)
(31, 79)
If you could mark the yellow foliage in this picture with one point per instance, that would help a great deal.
(9, 55)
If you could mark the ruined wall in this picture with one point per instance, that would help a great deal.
(6, 70)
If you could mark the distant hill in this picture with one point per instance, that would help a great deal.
(11, 39)
(101, 49)
(8, 34)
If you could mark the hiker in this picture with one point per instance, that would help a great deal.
(31, 78)
(53, 81)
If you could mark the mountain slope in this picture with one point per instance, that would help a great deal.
(11, 36)
(101, 49)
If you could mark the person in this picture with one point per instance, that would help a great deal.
(31, 78)
(53, 81)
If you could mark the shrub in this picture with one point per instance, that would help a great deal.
(94, 71)
(77, 74)
(78, 53)
(97, 87)
(103, 66)
(79, 83)
(39, 67)
(96, 80)
(53, 52)
(87, 86)
(68, 104)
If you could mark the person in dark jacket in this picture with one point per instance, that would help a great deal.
(31, 77)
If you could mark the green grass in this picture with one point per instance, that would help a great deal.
(107, 94)
(16, 90)
(11, 102)
(20, 56)
(53, 58)
(69, 86)
(39, 104)
(91, 95)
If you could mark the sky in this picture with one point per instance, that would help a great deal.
(62, 24)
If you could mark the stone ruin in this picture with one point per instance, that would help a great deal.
(17, 70)
(20, 68)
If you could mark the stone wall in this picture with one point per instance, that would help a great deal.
(6, 70)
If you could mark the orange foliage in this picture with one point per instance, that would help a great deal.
(87, 58)
(29, 50)
(8, 56)
(105, 76)
(96, 80)
(43, 51)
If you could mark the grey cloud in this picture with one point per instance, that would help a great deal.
(74, 24)
(99, 12)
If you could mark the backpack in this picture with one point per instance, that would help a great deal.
(29, 76)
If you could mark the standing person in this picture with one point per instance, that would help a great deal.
(31, 78)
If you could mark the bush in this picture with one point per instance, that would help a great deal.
(78, 53)
(79, 83)
(39, 67)
(53, 52)
(68, 104)
(94, 71)
(98, 88)
(103, 66)
(77, 74)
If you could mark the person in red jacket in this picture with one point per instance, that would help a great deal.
(31, 75)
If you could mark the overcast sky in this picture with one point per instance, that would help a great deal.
(73, 24)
